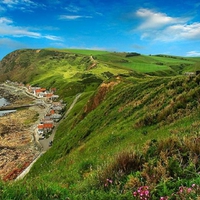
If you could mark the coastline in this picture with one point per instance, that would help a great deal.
(18, 142)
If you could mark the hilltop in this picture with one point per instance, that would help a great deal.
(136, 124)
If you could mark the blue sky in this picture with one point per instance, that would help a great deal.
(146, 27)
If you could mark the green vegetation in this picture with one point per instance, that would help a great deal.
(134, 130)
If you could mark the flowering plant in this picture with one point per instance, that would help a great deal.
(142, 193)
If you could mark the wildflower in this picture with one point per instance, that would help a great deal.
(189, 190)
(163, 198)
(134, 194)
(181, 189)
(193, 185)
(146, 192)
(142, 193)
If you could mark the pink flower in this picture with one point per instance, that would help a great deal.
(134, 194)
(193, 185)
(146, 192)
(189, 190)
(163, 198)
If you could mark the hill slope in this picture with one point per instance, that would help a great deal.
(128, 129)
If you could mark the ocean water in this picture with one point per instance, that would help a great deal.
(2, 113)
(4, 102)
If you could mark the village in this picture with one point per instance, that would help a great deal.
(21, 143)
(54, 110)
(49, 101)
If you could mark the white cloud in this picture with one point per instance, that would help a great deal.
(70, 17)
(161, 27)
(20, 4)
(193, 54)
(174, 33)
(72, 8)
(10, 3)
(73, 17)
(183, 31)
(153, 20)
(4, 20)
(8, 29)
(52, 37)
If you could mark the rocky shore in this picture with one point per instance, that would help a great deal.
(14, 95)
(17, 145)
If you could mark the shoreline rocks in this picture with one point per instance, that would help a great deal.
(18, 149)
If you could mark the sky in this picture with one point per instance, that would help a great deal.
(148, 27)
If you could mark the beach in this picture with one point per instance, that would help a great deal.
(18, 147)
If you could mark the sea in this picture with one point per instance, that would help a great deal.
(4, 102)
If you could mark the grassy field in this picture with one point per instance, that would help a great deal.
(87, 52)
(129, 130)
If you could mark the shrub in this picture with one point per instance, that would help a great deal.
(123, 164)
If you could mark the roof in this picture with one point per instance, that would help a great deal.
(45, 125)
(50, 125)
(57, 103)
(49, 95)
(40, 90)
(52, 112)
(40, 126)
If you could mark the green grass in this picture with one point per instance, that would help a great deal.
(136, 115)
(88, 52)
(145, 67)
(82, 147)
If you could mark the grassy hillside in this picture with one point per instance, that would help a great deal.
(136, 125)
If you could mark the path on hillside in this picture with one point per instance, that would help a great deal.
(45, 143)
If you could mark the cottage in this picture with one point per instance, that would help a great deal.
(40, 92)
(45, 127)
(58, 109)
(46, 118)
(56, 117)
(32, 89)
(56, 103)
(52, 112)
(48, 96)
(40, 129)
(54, 97)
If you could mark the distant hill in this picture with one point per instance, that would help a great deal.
(30, 65)
(136, 124)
